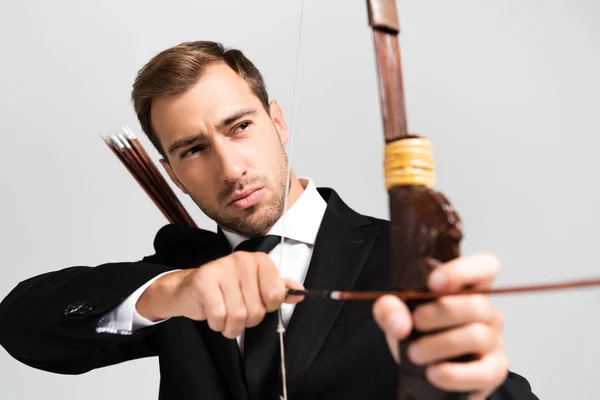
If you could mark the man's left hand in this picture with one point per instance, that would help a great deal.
(471, 324)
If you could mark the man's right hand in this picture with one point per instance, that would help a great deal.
(231, 293)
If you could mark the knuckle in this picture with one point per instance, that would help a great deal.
(255, 315)
(239, 315)
(253, 309)
(481, 336)
(480, 305)
(216, 324)
(218, 264)
(207, 275)
(218, 314)
(240, 263)
(238, 259)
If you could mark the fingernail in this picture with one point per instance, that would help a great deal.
(437, 280)
(397, 324)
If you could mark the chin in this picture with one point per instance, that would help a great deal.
(261, 218)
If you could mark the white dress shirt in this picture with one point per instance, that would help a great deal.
(299, 227)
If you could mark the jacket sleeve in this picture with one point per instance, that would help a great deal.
(514, 387)
(49, 321)
(124, 319)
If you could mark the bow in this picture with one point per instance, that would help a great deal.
(425, 228)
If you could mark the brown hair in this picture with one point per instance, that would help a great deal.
(176, 69)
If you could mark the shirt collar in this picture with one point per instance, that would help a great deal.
(302, 220)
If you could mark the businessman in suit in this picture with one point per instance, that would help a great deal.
(205, 303)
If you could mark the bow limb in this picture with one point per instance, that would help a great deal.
(424, 225)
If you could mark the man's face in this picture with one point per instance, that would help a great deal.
(225, 151)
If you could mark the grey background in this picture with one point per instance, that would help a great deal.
(507, 91)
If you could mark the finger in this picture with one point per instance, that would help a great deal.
(236, 312)
(290, 284)
(477, 271)
(479, 376)
(251, 294)
(449, 311)
(271, 285)
(213, 303)
(393, 317)
(473, 338)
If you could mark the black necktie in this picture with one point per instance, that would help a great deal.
(261, 342)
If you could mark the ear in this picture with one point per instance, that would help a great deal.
(279, 121)
(172, 175)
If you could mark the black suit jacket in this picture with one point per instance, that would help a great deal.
(334, 349)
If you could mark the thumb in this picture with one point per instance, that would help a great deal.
(290, 284)
(394, 318)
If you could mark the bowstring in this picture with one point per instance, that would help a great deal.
(280, 327)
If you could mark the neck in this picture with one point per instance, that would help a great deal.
(295, 190)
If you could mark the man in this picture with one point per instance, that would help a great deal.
(205, 310)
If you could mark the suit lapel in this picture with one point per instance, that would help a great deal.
(226, 354)
(341, 250)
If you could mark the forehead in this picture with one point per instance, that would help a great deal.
(219, 93)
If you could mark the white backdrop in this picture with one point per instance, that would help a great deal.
(507, 91)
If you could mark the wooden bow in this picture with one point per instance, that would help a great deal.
(425, 228)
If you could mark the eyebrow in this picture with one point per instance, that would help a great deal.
(234, 117)
(184, 142)
(189, 140)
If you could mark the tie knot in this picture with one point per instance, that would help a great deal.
(262, 243)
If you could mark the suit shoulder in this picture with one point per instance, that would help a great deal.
(378, 222)
(178, 244)
(180, 235)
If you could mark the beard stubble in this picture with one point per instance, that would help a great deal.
(257, 219)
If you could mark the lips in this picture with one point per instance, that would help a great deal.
(246, 198)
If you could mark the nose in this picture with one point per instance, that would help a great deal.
(230, 161)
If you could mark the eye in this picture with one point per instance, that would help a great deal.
(191, 151)
(243, 126)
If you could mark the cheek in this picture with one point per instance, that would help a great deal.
(271, 160)
(196, 181)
